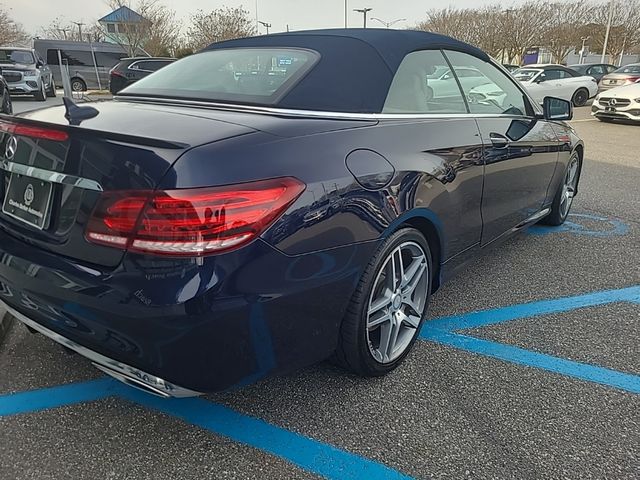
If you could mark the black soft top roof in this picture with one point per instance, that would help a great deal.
(356, 66)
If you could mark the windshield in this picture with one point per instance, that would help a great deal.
(242, 75)
(629, 69)
(579, 68)
(525, 74)
(16, 56)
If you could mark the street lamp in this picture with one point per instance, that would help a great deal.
(265, 25)
(606, 35)
(388, 24)
(582, 51)
(364, 12)
(346, 12)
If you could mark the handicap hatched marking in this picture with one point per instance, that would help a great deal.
(311, 455)
(444, 331)
(609, 227)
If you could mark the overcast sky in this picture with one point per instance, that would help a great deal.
(299, 14)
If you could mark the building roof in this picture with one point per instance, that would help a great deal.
(356, 66)
(122, 15)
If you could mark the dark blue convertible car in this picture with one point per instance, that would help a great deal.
(271, 202)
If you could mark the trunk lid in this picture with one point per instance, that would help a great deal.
(52, 173)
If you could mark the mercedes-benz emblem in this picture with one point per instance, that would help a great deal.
(28, 195)
(613, 102)
(11, 148)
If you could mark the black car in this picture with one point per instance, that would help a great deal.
(245, 211)
(595, 70)
(5, 100)
(130, 70)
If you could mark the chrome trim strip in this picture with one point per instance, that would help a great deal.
(49, 176)
(121, 371)
(285, 112)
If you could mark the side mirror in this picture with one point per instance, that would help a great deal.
(557, 109)
(39, 64)
(540, 79)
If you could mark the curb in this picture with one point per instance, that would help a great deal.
(6, 321)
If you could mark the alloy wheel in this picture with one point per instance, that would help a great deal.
(397, 302)
(569, 186)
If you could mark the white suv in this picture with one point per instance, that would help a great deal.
(25, 72)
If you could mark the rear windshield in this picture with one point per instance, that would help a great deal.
(241, 75)
(629, 69)
(16, 56)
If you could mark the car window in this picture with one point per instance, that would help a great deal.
(245, 75)
(16, 56)
(596, 70)
(414, 89)
(629, 69)
(525, 74)
(494, 92)
(554, 74)
(149, 65)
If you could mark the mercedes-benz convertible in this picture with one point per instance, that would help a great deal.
(271, 202)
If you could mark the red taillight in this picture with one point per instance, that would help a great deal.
(190, 222)
(32, 131)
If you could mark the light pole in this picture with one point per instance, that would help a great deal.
(388, 24)
(364, 12)
(606, 35)
(582, 51)
(265, 25)
(346, 13)
(79, 24)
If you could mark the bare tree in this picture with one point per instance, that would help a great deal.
(625, 27)
(156, 32)
(564, 27)
(61, 30)
(11, 33)
(217, 25)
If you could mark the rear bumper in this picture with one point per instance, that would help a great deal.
(188, 325)
(125, 373)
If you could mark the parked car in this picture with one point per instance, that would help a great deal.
(626, 75)
(446, 83)
(130, 70)
(620, 103)
(595, 70)
(6, 105)
(26, 73)
(557, 81)
(88, 63)
(167, 236)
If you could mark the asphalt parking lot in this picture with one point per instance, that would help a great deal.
(530, 368)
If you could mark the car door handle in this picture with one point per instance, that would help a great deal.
(499, 141)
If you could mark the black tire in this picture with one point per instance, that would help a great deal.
(353, 352)
(580, 97)
(7, 105)
(78, 85)
(41, 95)
(51, 91)
(557, 217)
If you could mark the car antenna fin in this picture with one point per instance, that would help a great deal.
(75, 114)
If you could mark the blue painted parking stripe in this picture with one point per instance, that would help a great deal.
(60, 396)
(509, 353)
(311, 455)
(525, 310)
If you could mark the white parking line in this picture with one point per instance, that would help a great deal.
(585, 120)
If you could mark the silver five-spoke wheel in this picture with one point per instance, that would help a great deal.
(569, 186)
(397, 302)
